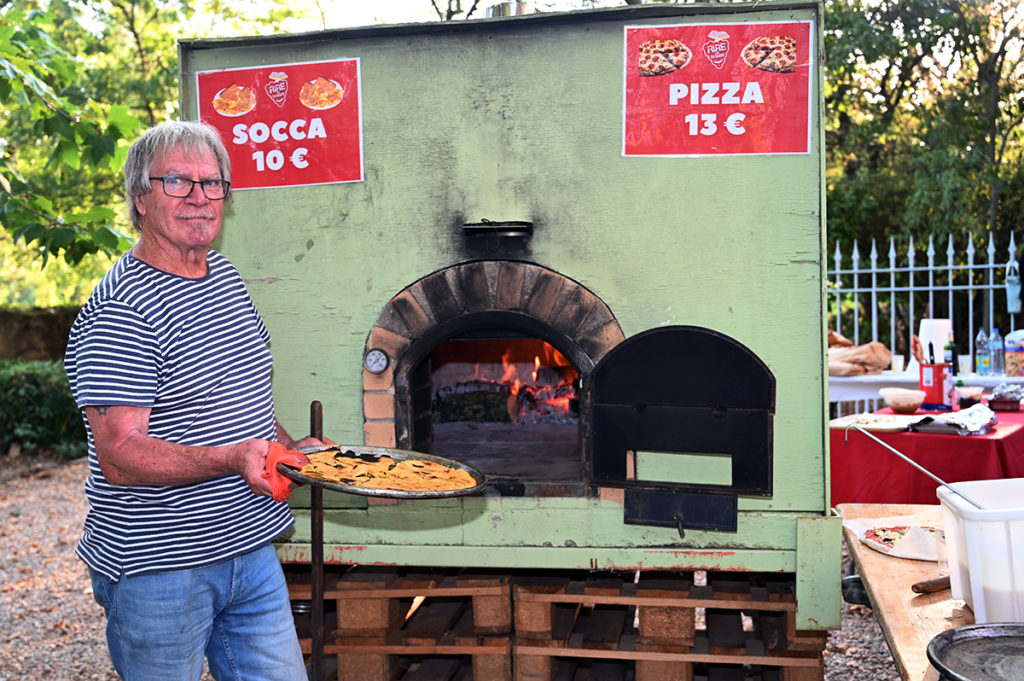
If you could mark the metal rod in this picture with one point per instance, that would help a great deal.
(913, 463)
(316, 539)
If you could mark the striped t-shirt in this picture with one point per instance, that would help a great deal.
(195, 352)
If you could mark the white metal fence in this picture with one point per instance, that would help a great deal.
(884, 300)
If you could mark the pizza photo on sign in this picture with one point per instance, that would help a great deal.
(234, 100)
(321, 94)
(658, 57)
(774, 54)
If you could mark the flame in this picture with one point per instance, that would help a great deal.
(511, 376)
(560, 404)
(533, 398)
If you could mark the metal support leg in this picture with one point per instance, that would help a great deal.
(316, 521)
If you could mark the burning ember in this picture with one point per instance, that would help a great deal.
(475, 387)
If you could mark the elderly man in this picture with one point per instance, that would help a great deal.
(169, 363)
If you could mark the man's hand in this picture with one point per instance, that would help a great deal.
(249, 460)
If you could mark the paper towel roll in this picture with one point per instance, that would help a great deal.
(936, 332)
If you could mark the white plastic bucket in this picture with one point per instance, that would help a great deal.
(985, 547)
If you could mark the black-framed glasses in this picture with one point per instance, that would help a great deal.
(180, 187)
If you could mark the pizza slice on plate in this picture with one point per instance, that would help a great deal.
(885, 539)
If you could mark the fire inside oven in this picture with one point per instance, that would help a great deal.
(506, 404)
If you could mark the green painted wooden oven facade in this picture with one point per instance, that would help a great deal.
(521, 119)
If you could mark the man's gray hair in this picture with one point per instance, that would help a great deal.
(192, 137)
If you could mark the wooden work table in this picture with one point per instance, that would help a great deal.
(908, 620)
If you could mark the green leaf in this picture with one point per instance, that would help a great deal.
(121, 120)
(43, 204)
(107, 239)
(59, 126)
(94, 214)
(68, 154)
(102, 148)
(59, 237)
(30, 232)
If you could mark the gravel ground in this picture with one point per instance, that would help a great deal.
(53, 629)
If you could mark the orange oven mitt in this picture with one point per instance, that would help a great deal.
(281, 485)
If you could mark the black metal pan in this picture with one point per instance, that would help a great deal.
(979, 652)
(364, 452)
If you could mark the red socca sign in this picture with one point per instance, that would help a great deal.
(287, 125)
(695, 90)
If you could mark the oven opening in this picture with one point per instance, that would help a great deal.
(508, 406)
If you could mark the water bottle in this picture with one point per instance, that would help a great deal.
(997, 360)
(982, 367)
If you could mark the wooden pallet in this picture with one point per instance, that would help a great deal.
(394, 624)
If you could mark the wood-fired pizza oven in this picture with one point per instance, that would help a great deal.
(631, 403)
(518, 195)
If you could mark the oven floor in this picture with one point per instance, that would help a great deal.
(548, 453)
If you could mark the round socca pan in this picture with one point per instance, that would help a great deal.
(980, 652)
(396, 454)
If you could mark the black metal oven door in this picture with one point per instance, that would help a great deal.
(680, 409)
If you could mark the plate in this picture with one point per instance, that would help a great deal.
(398, 455)
(979, 652)
(229, 115)
(876, 423)
(329, 106)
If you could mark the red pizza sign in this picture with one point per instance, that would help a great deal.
(287, 125)
(695, 90)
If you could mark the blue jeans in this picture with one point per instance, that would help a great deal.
(236, 614)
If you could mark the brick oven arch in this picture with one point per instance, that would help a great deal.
(519, 294)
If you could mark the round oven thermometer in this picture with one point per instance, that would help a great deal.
(376, 361)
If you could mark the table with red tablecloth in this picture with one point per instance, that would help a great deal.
(864, 471)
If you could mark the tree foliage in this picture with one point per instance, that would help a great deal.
(79, 79)
(52, 134)
(923, 109)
